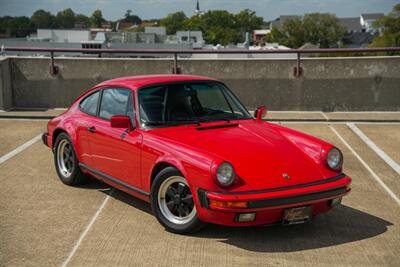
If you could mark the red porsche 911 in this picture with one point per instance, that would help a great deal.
(189, 147)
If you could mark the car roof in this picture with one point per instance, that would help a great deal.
(135, 82)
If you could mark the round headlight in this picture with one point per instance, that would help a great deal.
(334, 159)
(225, 174)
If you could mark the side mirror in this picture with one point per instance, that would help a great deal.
(121, 122)
(261, 113)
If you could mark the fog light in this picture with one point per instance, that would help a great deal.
(336, 202)
(228, 204)
(246, 217)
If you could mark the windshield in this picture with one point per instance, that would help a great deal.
(192, 102)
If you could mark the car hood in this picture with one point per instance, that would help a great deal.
(261, 155)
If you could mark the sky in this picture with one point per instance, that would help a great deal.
(147, 9)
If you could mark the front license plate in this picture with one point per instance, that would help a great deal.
(297, 215)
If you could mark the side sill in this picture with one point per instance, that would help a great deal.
(114, 180)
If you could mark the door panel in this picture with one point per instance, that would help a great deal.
(117, 153)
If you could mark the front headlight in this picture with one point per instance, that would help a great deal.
(334, 159)
(225, 174)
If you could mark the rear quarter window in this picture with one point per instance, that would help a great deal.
(89, 104)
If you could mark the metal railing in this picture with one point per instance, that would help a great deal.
(297, 70)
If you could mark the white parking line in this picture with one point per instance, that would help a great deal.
(21, 119)
(87, 228)
(19, 149)
(373, 174)
(323, 115)
(374, 147)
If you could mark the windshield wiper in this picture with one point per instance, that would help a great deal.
(171, 123)
(227, 119)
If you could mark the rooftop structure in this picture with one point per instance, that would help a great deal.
(351, 24)
(61, 35)
(195, 38)
(259, 35)
(156, 30)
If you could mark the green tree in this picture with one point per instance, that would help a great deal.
(43, 19)
(174, 22)
(247, 21)
(322, 29)
(390, 24)
(82, 19)
(16, 26)
(220, 27)
(276, 36)
(316, 28)
(129, 17)
(294, 33)
(66, 18)
(96, 19)
(195, 23)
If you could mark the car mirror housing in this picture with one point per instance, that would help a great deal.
(261, 113)
(121, 122)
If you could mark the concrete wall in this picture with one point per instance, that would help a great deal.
(5, 84)
(334, 84)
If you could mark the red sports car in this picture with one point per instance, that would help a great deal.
(189, 147)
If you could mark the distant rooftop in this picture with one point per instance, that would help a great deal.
(351, 24)
(278, 23)
(372, 15)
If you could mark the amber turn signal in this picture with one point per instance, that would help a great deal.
(229, 204)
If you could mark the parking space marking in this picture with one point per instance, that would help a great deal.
(374, 175)
(21, 119)
(86, 230)
(323, 115)
(374, 147)
(20, 149)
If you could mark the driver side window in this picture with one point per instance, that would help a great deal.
(114, 102)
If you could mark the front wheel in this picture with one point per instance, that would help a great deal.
(172, 202)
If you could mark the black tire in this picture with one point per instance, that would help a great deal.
(76, 176)
(191, 226)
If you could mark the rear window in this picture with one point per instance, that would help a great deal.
(89, 104)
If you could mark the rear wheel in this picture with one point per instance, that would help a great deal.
(66, 162)
(172, 202)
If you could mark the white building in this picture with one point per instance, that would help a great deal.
(367, 21)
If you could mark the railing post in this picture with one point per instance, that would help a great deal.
(53, 68)
(298, 71)
(175, 69)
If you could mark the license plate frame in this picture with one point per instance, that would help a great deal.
(297, 215)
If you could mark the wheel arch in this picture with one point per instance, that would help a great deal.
(67, 129)
(56, 133)
(161, 165)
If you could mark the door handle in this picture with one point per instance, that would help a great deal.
(92, 129)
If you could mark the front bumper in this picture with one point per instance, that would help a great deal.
(270, 204)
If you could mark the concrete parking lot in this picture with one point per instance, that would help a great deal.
(45, 223)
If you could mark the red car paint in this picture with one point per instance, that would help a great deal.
(260, 152)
